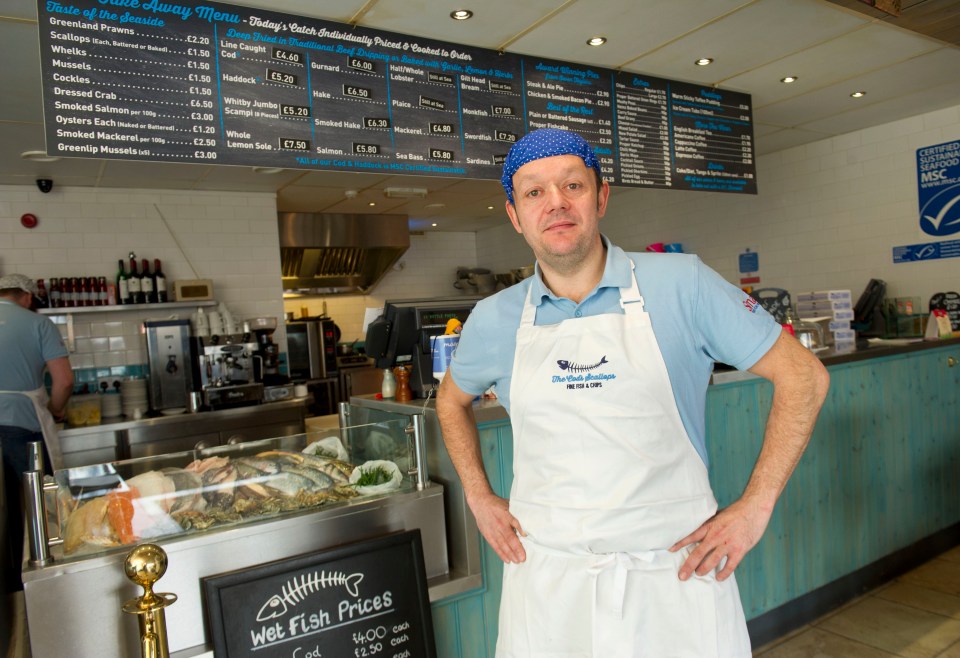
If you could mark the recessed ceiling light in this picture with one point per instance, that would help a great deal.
(596, 41)
(461, 14)
(267, 171)
(704, 61)
(433, 224)
(372, 204)
(787, 80)
(38, 156)
(858, 94)
(489, 207)
(435, 206)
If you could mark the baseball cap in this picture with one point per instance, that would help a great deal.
(14, 281)
(545, 143)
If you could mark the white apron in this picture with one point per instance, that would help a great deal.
(48, 426)
(605, 480)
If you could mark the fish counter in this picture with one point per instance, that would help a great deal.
(215, 511)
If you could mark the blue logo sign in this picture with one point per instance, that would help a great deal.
(912, 253)
(749, 261)
(938, 183)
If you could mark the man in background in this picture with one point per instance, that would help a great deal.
(29, 344)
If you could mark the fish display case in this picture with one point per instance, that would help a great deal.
(218, 510)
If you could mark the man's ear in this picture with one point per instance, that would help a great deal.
(512, 214)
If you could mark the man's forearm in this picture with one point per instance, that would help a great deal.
(799, 392)
(459, 429)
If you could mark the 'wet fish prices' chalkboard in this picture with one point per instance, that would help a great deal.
(365, 599)
(205, 82)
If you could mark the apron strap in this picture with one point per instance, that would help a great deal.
(622, 564)
(631, 301)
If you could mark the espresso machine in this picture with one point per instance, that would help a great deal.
(267, 360)
(226, 365)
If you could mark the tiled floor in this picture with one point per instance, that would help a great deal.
(915, 616)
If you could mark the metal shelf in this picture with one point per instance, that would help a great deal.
(64, 310)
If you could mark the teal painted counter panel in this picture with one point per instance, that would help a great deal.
(466, 626)
(882, 471)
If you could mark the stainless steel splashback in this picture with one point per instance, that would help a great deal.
(327, 254)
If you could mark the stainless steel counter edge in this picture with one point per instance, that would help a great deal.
(116, 424)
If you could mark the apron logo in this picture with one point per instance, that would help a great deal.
(578, 376)
(576, 367)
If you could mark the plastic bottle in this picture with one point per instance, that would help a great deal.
(389, 387)
(201, 327)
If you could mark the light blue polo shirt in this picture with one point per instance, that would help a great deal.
(27, 341)
(697, 316)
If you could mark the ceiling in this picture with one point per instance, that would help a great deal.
(906, 64)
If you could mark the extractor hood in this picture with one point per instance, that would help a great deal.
(336, 254)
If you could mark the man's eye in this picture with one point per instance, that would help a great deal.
(575, 186)
(533, 193)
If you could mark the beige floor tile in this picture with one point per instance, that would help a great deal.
(899, 629)
(952, 652)
(939, 574)
(780, 640)
(816, 643)
(923, 598)
(953, 555)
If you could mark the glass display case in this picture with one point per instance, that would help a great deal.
(219, 510)
(93, 509)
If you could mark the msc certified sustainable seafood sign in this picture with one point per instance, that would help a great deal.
(363, 599)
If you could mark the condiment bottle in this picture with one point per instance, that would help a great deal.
(389, 387)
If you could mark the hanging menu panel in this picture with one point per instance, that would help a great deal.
(211, 83)
(572, 97)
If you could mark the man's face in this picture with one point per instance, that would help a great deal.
(557, 208)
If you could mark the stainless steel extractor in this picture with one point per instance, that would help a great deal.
(327, 254)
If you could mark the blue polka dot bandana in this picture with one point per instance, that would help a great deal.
(545, 143)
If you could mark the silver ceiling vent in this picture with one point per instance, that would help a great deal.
(329, 254)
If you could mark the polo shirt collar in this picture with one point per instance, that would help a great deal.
(616, 274)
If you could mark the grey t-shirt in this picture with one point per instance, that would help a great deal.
(27, 341)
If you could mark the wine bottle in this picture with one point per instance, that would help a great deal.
(123, 285)
(159, 282)
(102, 291)
(146, 283)
(55, 301)
(133, 282)
(42, 300)
(65, 300)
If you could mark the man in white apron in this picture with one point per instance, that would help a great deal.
(29, 344)
(612, 539)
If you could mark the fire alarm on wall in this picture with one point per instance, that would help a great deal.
(29, 220)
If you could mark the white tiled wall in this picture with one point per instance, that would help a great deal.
(228, 237)
(827, 216)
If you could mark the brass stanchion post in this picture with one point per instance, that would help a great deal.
(144, 566)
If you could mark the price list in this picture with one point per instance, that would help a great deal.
(577, 98)
(219, 84)
(643, 132)
(367, 600)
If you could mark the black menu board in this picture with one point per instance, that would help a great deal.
(949, 302)
(364, 599)
(204, 82)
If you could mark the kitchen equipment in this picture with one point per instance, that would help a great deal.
(169, 358)
(485, 283)
(322, 254)
(312, 348)
(402, 335)
(279, 392)
(225, 370)
(267, 352)
(524, 272)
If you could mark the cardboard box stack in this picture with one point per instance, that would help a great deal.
(833, 310)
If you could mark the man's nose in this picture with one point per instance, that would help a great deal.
(556, 199)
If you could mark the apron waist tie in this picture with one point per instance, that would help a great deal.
(622, 564)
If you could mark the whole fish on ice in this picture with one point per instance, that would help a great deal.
(297, 589)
